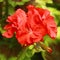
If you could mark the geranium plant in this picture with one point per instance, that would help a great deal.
(29, 28)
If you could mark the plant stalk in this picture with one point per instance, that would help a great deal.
(22, 53)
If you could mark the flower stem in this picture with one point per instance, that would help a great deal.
(22, 53)
(44, 47)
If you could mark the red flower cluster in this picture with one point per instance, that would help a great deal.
(32, 26)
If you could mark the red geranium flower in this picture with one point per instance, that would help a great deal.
(16, 23)
(42, 17)
(30, 27)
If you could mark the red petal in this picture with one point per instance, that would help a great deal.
(21, 18)
(27, 38)
(18, 18)
(8, 26)
(8, 33)
(51, 26)
(22, 38)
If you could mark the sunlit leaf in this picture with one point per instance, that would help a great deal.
(58, 33)
(1, 0)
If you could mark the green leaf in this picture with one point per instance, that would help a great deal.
(25, 54)
(58, 33)
(2, 57)
(14, 3)
(1, 0)
(11, 10)
(12, 58)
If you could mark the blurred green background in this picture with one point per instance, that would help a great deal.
(10, 49)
